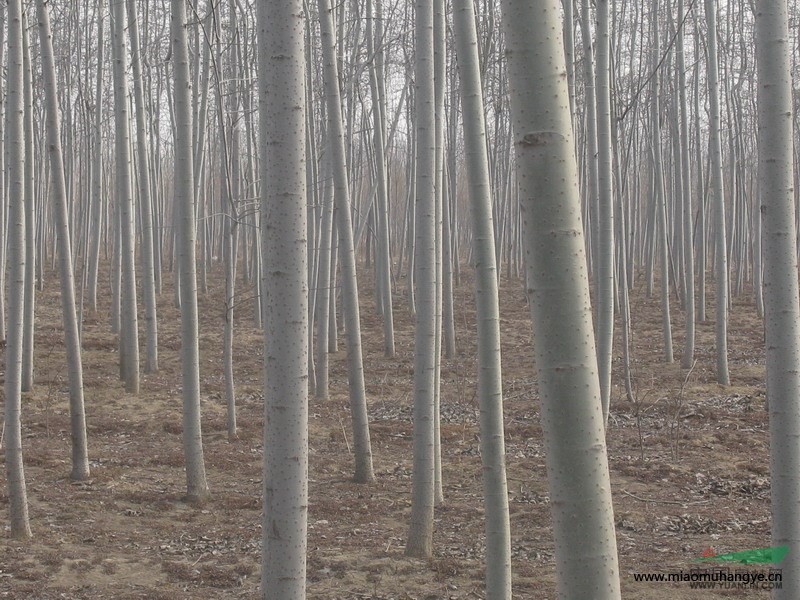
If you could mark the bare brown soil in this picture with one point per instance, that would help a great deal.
(689, 466)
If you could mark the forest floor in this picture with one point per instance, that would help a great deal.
(689, 464)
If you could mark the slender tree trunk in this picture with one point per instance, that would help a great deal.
(196, 484)
(30, 227)
(420, 535)
(355, 365)
(231, 243)
(490, 384)
(324, 283)
(686, 191)
(312, 177)
(775, 171)
(590, 107)
(3, 196)
(128, 333)
(557, 285)
(605, 227)
(97, 176)
(80, 460)
(569, 51)
(383, 254)
(283, 228)
(700, 188)
(439, 80)
(660, 240)
(448, 260)
(720, 245)
(148, 275)
(15, 163)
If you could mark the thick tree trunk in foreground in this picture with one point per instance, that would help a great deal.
(283, 229)
(558, 289)
(782, 311)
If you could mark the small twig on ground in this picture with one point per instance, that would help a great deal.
(199, 559)
(344, 433)
(640, 499)
(676, 423)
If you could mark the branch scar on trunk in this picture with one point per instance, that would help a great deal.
(539, 138)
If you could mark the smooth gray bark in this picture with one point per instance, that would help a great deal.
(183, 197)
(97, 177)
(659, 194)
(490, 384)
(383, 263)
(420, 535)
(146, 210)
(362, 446)
(30, 227)
(128, 331)
(605, 198)
(558, 290)
(283, 229)
(15, 164)
(590, 107)
(686, 191)
(72, 342)
(720, 244)
(3, 181)
(324, 284)
(439, 79)
(782, 311)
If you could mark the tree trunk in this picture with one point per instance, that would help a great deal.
(196, 484)
(128, 332)
(15, 163)
(775, 171)
(30, 227)
(590, 192)
(383, 263)
(3, 197)
(355, 365)
(686, 191)
(148, 277)
(283, 229)
(324, 281)
(80, 460)
(605, 192)
(557, 285)
(97, 176)
(420, 535)
(660, 240)
(439, 79)
(490, 384)
(720, 244)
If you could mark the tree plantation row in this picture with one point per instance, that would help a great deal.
(297, 146)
